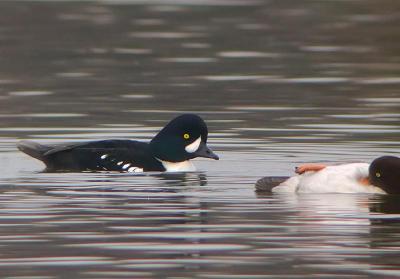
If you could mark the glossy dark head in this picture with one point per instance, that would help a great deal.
(184, 138)
(384, 172)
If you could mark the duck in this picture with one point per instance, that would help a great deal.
(182, 139)
(381, 176)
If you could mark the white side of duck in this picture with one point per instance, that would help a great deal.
(332, 179)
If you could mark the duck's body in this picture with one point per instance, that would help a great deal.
(182, 139)
(344, 178)
(105, 155)
(382, 176)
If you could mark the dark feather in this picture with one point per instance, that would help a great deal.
(105, 155)
(266, 184)
(33, 149)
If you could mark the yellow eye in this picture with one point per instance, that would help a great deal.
(186, 136)
(378, 174)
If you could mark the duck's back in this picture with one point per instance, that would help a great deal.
(105, 155)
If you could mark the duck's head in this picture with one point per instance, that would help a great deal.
(384, 172)
(183, 138)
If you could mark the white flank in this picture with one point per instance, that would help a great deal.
(185, 166)
(120, 163)
(104, 156)
(193, 146)
(332, 179)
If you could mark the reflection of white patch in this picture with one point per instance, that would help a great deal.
(184, 166)
(135, 169)
(331, 211)
(104, 156)
(120, 163)
(193, 146)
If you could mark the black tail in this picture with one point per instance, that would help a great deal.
(33, 149)
(266, 184)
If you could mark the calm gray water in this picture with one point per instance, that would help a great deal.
(278, 82)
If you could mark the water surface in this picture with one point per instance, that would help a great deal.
(278, 82)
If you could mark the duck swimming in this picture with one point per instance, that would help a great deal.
(182, 139)
(381, 176)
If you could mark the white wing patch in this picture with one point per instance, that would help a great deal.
(122, 165)
(135, 169)
(193, 146)
(125, 166)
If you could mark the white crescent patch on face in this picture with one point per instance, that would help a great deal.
(193, 146)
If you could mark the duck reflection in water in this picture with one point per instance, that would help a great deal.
(388, 204)
(183, 179)
(165, 182)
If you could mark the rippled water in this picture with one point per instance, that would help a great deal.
(278, 82)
